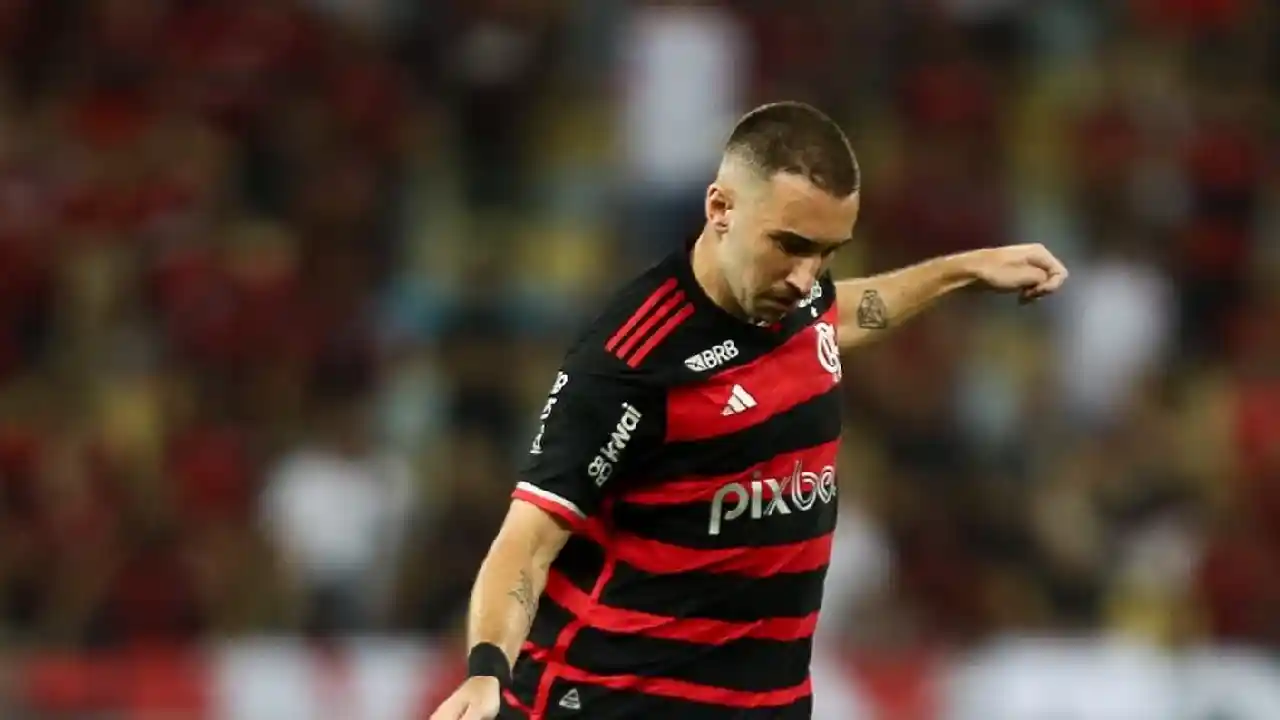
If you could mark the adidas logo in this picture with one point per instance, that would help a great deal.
(571, 701)
(739, 401)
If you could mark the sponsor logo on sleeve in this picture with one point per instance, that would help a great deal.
(610, 454)
(562, 379)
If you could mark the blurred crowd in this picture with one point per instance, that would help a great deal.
(283, 283)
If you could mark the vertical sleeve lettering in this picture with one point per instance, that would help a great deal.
(593, 429)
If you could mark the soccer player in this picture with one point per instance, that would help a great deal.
(664, 552)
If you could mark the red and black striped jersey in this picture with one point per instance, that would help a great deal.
(694, 455)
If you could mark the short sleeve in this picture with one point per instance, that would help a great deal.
(593, 430)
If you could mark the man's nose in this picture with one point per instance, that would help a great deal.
(804, 274)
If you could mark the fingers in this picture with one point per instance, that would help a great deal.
(447, 712)
(460, 708)
(1051, 283)
(455, 708)
(1055, 272)
(466, 712)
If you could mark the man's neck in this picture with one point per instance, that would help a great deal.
(707, 273)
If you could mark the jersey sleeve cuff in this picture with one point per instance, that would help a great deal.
(550, 502)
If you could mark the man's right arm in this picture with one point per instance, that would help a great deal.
(593, 424)
(504, 600)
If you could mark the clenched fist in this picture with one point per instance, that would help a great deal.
(1030, 270)
(479, 698)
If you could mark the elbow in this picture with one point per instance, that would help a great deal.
(531, 534)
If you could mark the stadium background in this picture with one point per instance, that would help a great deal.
(283, 284)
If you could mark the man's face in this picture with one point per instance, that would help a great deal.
(776, 238)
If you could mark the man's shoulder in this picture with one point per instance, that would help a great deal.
(626, 338)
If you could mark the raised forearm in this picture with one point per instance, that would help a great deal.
(870, 306)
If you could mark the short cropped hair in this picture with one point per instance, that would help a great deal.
(798, 139)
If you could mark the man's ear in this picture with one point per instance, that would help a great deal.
(719, 207)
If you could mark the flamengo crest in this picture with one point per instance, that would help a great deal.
(828, 350)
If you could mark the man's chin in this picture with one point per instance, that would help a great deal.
(767, 312)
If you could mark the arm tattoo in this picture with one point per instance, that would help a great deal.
(523, 594)
(873, 314)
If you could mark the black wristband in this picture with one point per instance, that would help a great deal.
(488, 660)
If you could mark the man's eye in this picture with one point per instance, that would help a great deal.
(792, 246)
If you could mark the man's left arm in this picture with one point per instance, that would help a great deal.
(869, 307)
